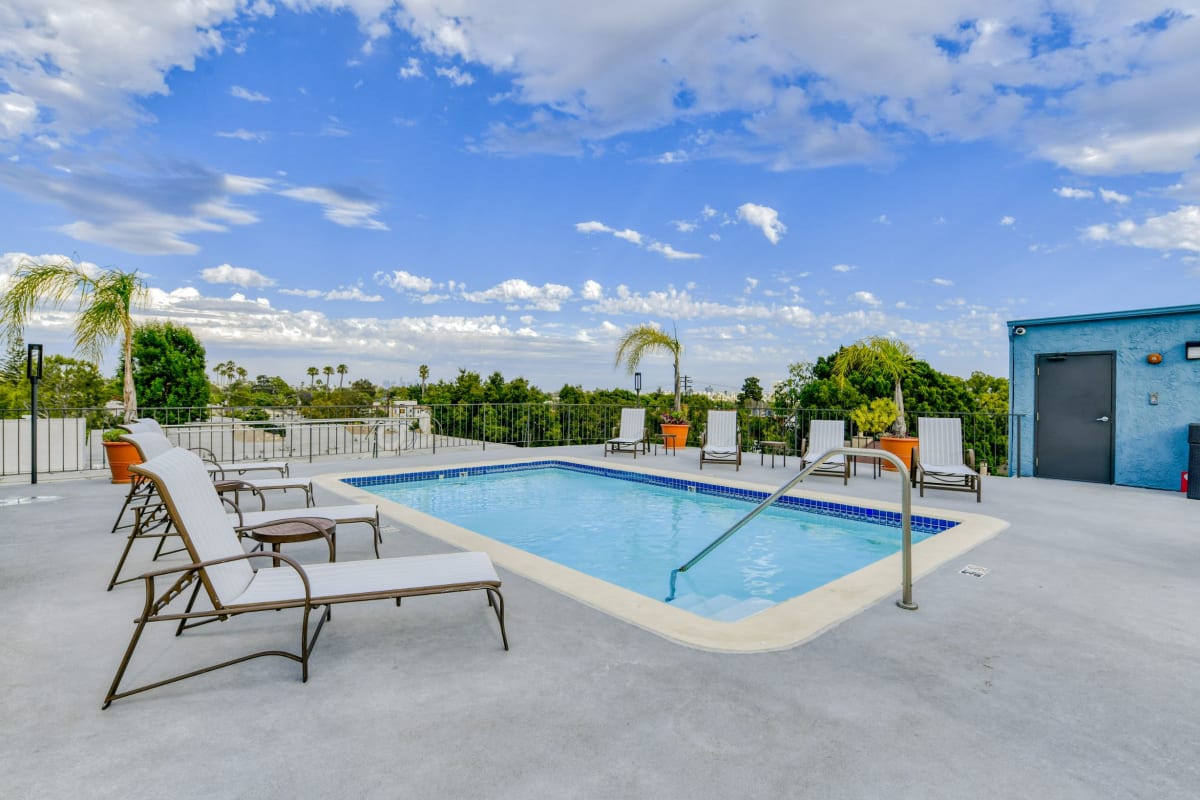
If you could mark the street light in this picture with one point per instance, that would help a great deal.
(637, 385)
(33, 371)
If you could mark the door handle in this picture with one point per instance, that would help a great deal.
(1102, 419)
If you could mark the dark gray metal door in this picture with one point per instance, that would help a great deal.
(1073, 438)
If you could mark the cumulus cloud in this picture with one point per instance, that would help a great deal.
(455, 75)
(866, 299)
(238, 276)
(403, 281)
(764, 218)
(412, 69)
(341, 293)
(1007, 221)
(517, 293)
(1074, 194)
(683, 226)
(1109, 196)
(666, 251)
(844, 267)
(591, 290)
(244, 135)
(1178, 230)
(942, 282)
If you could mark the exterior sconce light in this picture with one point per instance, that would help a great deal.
(1154, 358)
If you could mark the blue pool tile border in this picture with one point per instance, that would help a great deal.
(891, 519)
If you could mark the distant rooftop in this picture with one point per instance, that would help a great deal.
(1141, 312)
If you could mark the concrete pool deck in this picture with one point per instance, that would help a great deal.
(1071, 670)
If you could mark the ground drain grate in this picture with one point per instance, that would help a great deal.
(974, 571)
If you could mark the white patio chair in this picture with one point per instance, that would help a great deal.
(721, 442)
(938, 458)
(825, 435)
(631, 435)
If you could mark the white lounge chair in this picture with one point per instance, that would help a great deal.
(722, 440)
(938, 461)
(233, 586)
(825, 435)
(631, 435)
(151, 520)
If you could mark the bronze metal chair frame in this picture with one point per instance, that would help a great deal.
(195, 575)
(919, 476)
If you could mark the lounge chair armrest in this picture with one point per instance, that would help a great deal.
(152, 607)
(236, 510)
(304, 521)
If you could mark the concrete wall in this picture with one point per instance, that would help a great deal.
(1150, 441)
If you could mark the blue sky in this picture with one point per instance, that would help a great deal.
(508, 186)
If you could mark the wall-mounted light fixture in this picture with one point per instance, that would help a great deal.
(1154, 358)
(1191, 351)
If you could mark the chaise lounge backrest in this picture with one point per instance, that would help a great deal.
(721, 433)
(825, 435)
(940, 441)
(633, 424)
(185, 486)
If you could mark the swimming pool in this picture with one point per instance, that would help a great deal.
(632, 529)
(784, 624)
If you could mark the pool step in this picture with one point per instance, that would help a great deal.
(722, 608)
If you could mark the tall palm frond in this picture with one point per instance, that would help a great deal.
(640, 340)
(895, 358)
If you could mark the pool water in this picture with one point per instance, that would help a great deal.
(633, 534)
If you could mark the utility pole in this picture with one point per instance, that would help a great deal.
(687, 384)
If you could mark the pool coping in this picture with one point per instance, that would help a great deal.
(783, 626)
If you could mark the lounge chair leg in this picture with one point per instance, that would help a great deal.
(498, 607)
(133, 641)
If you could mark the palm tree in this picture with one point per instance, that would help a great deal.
(106, 302)
(328, 370)
(313, 372)
(892, 356)
(342, 369)
(643, 339)
(423, 371)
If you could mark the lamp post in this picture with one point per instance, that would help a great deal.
(33, 371)
(637, 386)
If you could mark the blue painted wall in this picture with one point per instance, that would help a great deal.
(1150, 441)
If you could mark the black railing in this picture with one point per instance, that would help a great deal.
(69, 438)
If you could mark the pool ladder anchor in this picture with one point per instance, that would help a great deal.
(905, 601)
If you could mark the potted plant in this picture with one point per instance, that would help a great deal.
(106, 300)
(872, 420)
(120, 455)
(642, 339)
(675, 424)
(896, 360)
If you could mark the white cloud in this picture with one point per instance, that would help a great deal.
(671, 253)
(455, 75)
(882, 219)
(763, 217)
(844, 267)
(412, 69)
(340, 293)
(517, 293)
(591, 291)
(1007, 221)
(250, 96)
(244, 135)
(339, 208)
(942, 282)
(238, 276)
(683, 226)
(403, 281)
(592, 227)
(1110, 196)
(629, 236)
(708, 212)
(1074, 194)
(1178, 230)
(866, 299)
(751, 285)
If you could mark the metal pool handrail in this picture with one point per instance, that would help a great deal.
(905, 601)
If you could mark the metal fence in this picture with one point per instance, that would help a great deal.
(69, 440)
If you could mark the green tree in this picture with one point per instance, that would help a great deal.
(786, 393)
(892, 356)
(170, 369)
(313, 372)
(328, 370)
(67, 383)
(15, 360)
(751, 390)
(640, 340)
(106, 301)
(342, 369)
(423, 372)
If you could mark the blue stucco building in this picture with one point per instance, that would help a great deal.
(1105, 397)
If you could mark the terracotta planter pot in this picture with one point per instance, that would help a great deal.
(680, 431)
(120, 455)
(901, 447)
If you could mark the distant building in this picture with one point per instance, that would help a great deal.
(1105, 397)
